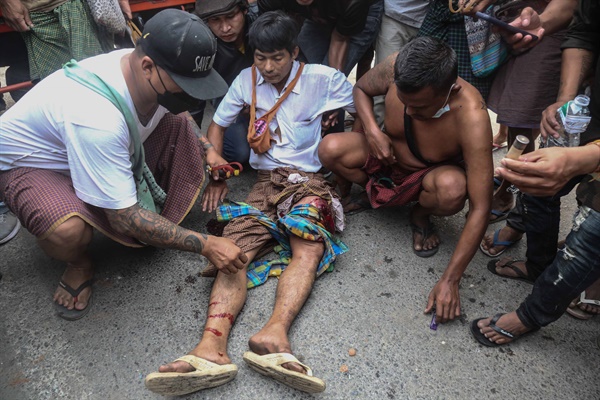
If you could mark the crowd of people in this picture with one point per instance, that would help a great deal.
(276, 72)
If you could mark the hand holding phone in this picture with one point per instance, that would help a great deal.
(505, 26)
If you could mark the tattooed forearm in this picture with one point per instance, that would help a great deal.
(153, 229)
(194, 243)
(197, 131)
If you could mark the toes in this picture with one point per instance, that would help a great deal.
(294, 367)
(177, 366)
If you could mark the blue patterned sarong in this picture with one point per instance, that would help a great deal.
(295, 223)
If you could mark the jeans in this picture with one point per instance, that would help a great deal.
(235, 141)
(3, 208)
(573, 270)
(314, 39)
(541, 218)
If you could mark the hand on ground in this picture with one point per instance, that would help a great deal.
(445, 297)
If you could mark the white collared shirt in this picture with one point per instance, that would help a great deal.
(319, 89)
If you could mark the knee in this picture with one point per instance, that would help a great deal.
(452, 193)
(307, 252)
(329, 150)
(72, 234)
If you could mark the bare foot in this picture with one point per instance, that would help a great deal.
(502, 202)
(507, 234)
(509, 322)
(591, 293)
(209, 353)
(74, 277)
(273, 339)
(499, 139)
(424, 236)
(356, 203)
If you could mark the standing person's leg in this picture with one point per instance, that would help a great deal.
(503, 200)
(572, 271)
(494, 244)
(361, 42)
(314, 40)
(392, 36)
(541, 218)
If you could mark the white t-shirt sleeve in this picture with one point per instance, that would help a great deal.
(99, 159)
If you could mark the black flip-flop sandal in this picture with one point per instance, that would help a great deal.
(480, 337)
(491, 266)
(74, 314)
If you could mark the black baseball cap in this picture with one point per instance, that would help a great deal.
(182, 45)
(211, 8)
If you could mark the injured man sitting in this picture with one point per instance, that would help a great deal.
(291, 202)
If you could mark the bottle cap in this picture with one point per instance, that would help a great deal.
(582, 100)
(521, 142)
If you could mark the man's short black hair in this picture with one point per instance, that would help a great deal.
(274, 31)
(425, 61)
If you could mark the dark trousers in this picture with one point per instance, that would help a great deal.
(574, 269)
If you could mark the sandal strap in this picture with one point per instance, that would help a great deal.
(499, 330)
(517, 271)
(197, 362)
(496, 242)
(584, 300)
(75, 292)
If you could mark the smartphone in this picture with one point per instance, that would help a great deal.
(504, 25)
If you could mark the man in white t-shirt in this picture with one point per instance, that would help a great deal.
(291, 202)
(68, 162)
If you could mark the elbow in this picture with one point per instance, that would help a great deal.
(119, 220)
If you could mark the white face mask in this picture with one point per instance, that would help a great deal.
(446, 107)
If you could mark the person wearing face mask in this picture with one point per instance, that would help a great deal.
(434, 149)
(110, 154)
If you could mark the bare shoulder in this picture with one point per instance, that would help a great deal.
(379, 78)
(474, 111)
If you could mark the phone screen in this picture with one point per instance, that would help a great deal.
(504, 25)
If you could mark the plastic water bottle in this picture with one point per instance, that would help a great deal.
(573, 118)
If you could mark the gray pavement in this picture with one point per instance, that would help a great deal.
(150, 306)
